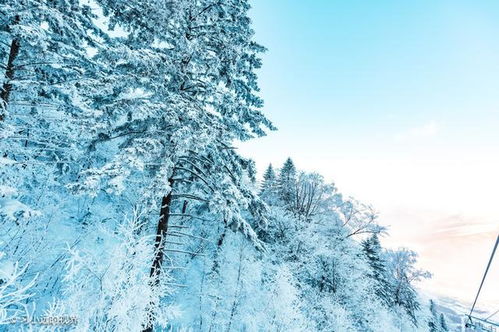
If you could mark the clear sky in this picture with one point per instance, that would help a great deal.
(397, 102)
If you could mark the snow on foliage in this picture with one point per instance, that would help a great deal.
(112, 290)
(14, 293)
(127, 206)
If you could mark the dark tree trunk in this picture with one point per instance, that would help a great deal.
(9, 72)
(220, 242)
(164, 216)
(162, 229)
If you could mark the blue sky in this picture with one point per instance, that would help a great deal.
(398, 103)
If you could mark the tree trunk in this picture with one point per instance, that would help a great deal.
(238, 289)
(220, 242)
(162, 229)
(164, 216)
(9, 72)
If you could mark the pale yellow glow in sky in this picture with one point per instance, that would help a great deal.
(444, 207)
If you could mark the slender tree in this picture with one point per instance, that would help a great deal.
(287, 182)
(373, 251)
(443, 323)
(269, 179)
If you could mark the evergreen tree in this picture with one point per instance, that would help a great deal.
(373, 251)
(443, 323)
(192, 65)
(433, 322)
(49, 72)
(269, 179)
(269, 187)
(144, 120)
(436, 322)
(287, 182)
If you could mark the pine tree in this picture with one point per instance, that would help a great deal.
(287, 182)
(197, 95)
(443, 323)
(373, 251)
(152, 113)
(44, 107)
(269, 179)
(47, 56)
(43, 127)
(436, 323)
(269, 187)
(433, 322)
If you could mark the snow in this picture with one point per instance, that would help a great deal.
(124, 203)
(14, 210)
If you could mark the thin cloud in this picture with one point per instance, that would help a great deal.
(466, 229)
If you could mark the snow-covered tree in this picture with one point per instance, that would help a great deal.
(358, 218)
(269, 186)
(401, 266)
(13, 292)
(287, 179)
(183, 88)
(374, 253)
(436, 321)
(129, 121)
(47, 69)
(443, 323)
(433, 322)
(112, 290)
(312, 196)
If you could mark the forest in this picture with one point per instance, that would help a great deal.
(125, 205)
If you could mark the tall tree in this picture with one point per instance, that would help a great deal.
(433, 321)
(436, 322)
(48, 74)
(373, 251)
(269, 179)
(443, 323)
(193, 65)
(269, 187)
(46, 61)
(287, 182)
(13, 52)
